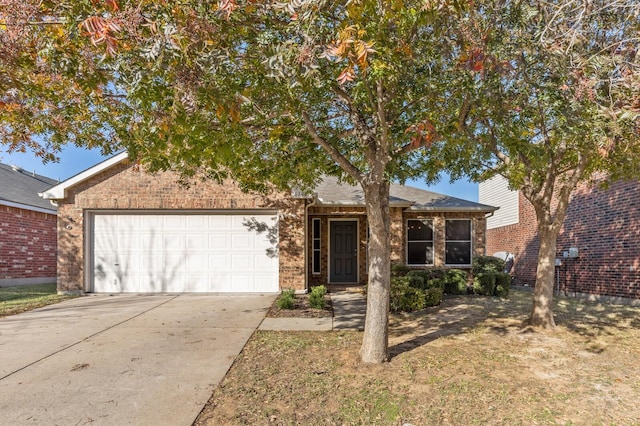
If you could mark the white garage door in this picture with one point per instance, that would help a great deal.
(152, 253)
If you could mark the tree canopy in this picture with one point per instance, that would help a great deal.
(263, 91)
(555, 105)
(370, 91)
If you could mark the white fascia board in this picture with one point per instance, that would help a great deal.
(59, 191)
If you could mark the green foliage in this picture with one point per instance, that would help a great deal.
(286, 299)
(487, 264)
(426, 278)
(433, 296)
(416, 280)
(503, 284)
(316, 297)
(399, 270)
(455, 281)
(403, 297)
(484, 283)
(17, 299)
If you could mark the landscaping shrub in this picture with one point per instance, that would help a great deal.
(416, 279)
(503, 284)
(432, 274)
(435, 283)
(484, 283)
(455, 281)
(431, 278)
(405, 298)
(286, 299)
(482, 264)
(399, 270)
(433, 296)
(316, 297)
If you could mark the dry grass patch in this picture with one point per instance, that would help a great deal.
(468, 361)
(17, 299)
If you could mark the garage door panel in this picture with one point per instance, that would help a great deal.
(242, 242)
(173, 222)
(174, 241)
(183, 253)
(196, 223)
(265, 263)
(217, 240)
(197, 242)
(219, 222)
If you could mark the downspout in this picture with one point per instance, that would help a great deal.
(313, 202)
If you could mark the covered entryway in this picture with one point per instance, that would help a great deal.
(183, 252)
(343, 251)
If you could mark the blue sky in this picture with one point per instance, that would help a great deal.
(73, 160)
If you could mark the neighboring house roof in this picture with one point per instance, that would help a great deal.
(329, 192)
(19, 188)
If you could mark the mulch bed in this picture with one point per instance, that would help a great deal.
(301, 309)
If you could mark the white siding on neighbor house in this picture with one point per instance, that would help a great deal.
(496, 192)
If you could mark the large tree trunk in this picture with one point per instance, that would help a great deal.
(542, 312)
(375, 343)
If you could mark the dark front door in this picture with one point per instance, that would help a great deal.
(343, 256)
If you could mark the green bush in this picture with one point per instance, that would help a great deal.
(316, 297)
(287, 299)
(455, 281)
(399, 270)
(482, 264)
(503, 284)
(433, 296)
(431, 278)
(484, 283)
(405, 298)
(416, 281)
(435, 283)
(433, 274)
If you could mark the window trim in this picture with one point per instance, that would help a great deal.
(407, 241)
(316, 269)
(470, 241)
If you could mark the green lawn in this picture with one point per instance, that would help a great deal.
(16, 299)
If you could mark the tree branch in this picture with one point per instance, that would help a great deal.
(336, 155)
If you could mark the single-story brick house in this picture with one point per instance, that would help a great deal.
(602, 224)
(27, 228)
(122, 229)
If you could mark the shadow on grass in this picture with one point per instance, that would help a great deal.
(464, 314)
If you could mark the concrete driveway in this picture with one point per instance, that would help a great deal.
(126, 359)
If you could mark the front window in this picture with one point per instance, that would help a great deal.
(315, 259)
(458, 242)
(419, 242)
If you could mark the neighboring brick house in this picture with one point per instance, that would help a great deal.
(27, 228)
(122, 229)
(602, 224)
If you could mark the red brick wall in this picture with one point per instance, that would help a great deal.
(27, 244)
(604, 224)
(127, 186)
(520, 239)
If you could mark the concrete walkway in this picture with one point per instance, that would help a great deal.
(121, 360)
(349, 310)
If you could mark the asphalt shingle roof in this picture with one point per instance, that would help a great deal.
(332, 192)
(22, 187)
